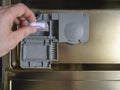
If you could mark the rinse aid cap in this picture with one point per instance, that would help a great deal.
(74, 32)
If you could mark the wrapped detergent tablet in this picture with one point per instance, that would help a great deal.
(40, 26)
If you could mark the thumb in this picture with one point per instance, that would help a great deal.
(22, 32)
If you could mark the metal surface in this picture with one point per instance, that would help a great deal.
(103, 45)
(67, 75)
(102, 48)
(74, 80)
(104, 42)
(65, 85)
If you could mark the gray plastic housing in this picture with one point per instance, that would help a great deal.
(73, 27)
(38, 52)
(40, 49)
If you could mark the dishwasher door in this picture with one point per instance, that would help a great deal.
(93, 65)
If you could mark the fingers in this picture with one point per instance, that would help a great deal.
(21, 23)
(20, 10)
(21, 33)
(17, 21)
(19, 14)
(24, 23)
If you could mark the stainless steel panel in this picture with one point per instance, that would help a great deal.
(64, 85)
(63, 80)
(103, 48)
(68, 75)
(66, 80)
(104, 43)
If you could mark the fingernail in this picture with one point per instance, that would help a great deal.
(25, 23)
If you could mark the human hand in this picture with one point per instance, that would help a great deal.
(20, 15)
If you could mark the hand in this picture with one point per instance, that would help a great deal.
(20, 15)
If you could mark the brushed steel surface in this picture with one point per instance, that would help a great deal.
(64, 85)
(66, 80)
(68, 75)
(104, 43)
(103, 47)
